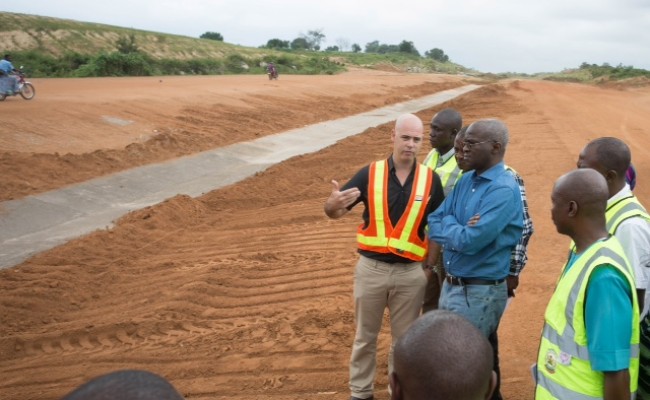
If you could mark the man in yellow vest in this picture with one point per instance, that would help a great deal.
(397, 193)
(629, 221)
(444, 127)
(590, 341)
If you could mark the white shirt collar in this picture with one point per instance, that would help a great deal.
(625, 192)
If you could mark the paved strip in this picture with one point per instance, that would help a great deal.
(41, 222)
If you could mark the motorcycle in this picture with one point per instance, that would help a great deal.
(25, 89)
(272, 72)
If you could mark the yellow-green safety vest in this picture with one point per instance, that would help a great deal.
(616, 213)
(563, 368)
(625, 208)
(448, 172)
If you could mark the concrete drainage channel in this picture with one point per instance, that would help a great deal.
(41, 222)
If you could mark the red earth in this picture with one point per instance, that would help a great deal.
(246, 291)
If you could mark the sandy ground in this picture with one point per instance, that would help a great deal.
(245, 292)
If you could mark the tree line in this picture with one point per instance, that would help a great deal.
(312, 40)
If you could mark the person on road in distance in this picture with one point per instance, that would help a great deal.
(518, 256)
(590, 341)
(6, 69)
(444, 127)
(629, 221)
(397, 194)
(442, 356)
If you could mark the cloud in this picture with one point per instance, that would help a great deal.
(509, 35)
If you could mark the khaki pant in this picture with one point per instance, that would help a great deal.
(378, 285)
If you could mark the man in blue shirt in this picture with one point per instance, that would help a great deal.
(6, 68)
(478, 225)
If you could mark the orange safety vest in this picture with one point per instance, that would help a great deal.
(380, 236)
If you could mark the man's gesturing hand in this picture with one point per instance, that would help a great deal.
(336, 205)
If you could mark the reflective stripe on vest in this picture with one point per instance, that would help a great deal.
(563, 368)
(618, 212)
(623, 209)
(448, 172)
(380, 236)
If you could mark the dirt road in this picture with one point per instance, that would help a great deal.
(245, 292)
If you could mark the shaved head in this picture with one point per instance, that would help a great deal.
(443, 356)
(579, 201)
(611, 153)
(409, 122)
(586, 187)
(126, 385)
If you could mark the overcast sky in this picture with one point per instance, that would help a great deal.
(490, 36)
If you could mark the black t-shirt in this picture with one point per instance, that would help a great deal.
(398, 197)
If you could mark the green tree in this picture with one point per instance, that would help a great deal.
(212, 36)
(408, 48)
(277, 44)
(372, 47)
(300, 43)
(332, 48)
(356, 48)
(437, 54)
(315, 38)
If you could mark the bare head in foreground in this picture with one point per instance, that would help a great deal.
(442, 356)
(126, 385)
(579, 200)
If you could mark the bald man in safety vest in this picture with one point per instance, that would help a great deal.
(590, 341)
(628, 220)
(397, 194)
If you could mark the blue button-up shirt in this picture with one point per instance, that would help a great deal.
(480, 251)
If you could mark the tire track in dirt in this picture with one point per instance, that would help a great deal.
(246, 292)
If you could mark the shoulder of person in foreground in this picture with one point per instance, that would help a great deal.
(126, 385)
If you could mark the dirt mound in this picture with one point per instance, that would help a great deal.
(197, 128)
(246, 292)
(622, 84)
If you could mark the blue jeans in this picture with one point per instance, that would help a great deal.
(482, 305)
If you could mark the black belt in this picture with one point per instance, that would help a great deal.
(454, 280)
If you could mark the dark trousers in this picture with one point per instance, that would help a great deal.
(494, 341)
(431, 295)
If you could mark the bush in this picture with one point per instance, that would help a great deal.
(117, 64)
(212, 36)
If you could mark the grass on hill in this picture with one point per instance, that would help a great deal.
(53, 47)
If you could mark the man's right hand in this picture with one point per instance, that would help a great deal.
(336, 205)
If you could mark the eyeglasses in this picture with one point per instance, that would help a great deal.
(469, 144)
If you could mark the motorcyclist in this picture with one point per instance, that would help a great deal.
(270, 68)
(10, 82)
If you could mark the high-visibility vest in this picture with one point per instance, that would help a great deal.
(448, 172)
(563, 368)
(625, 208)
(380, 236)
